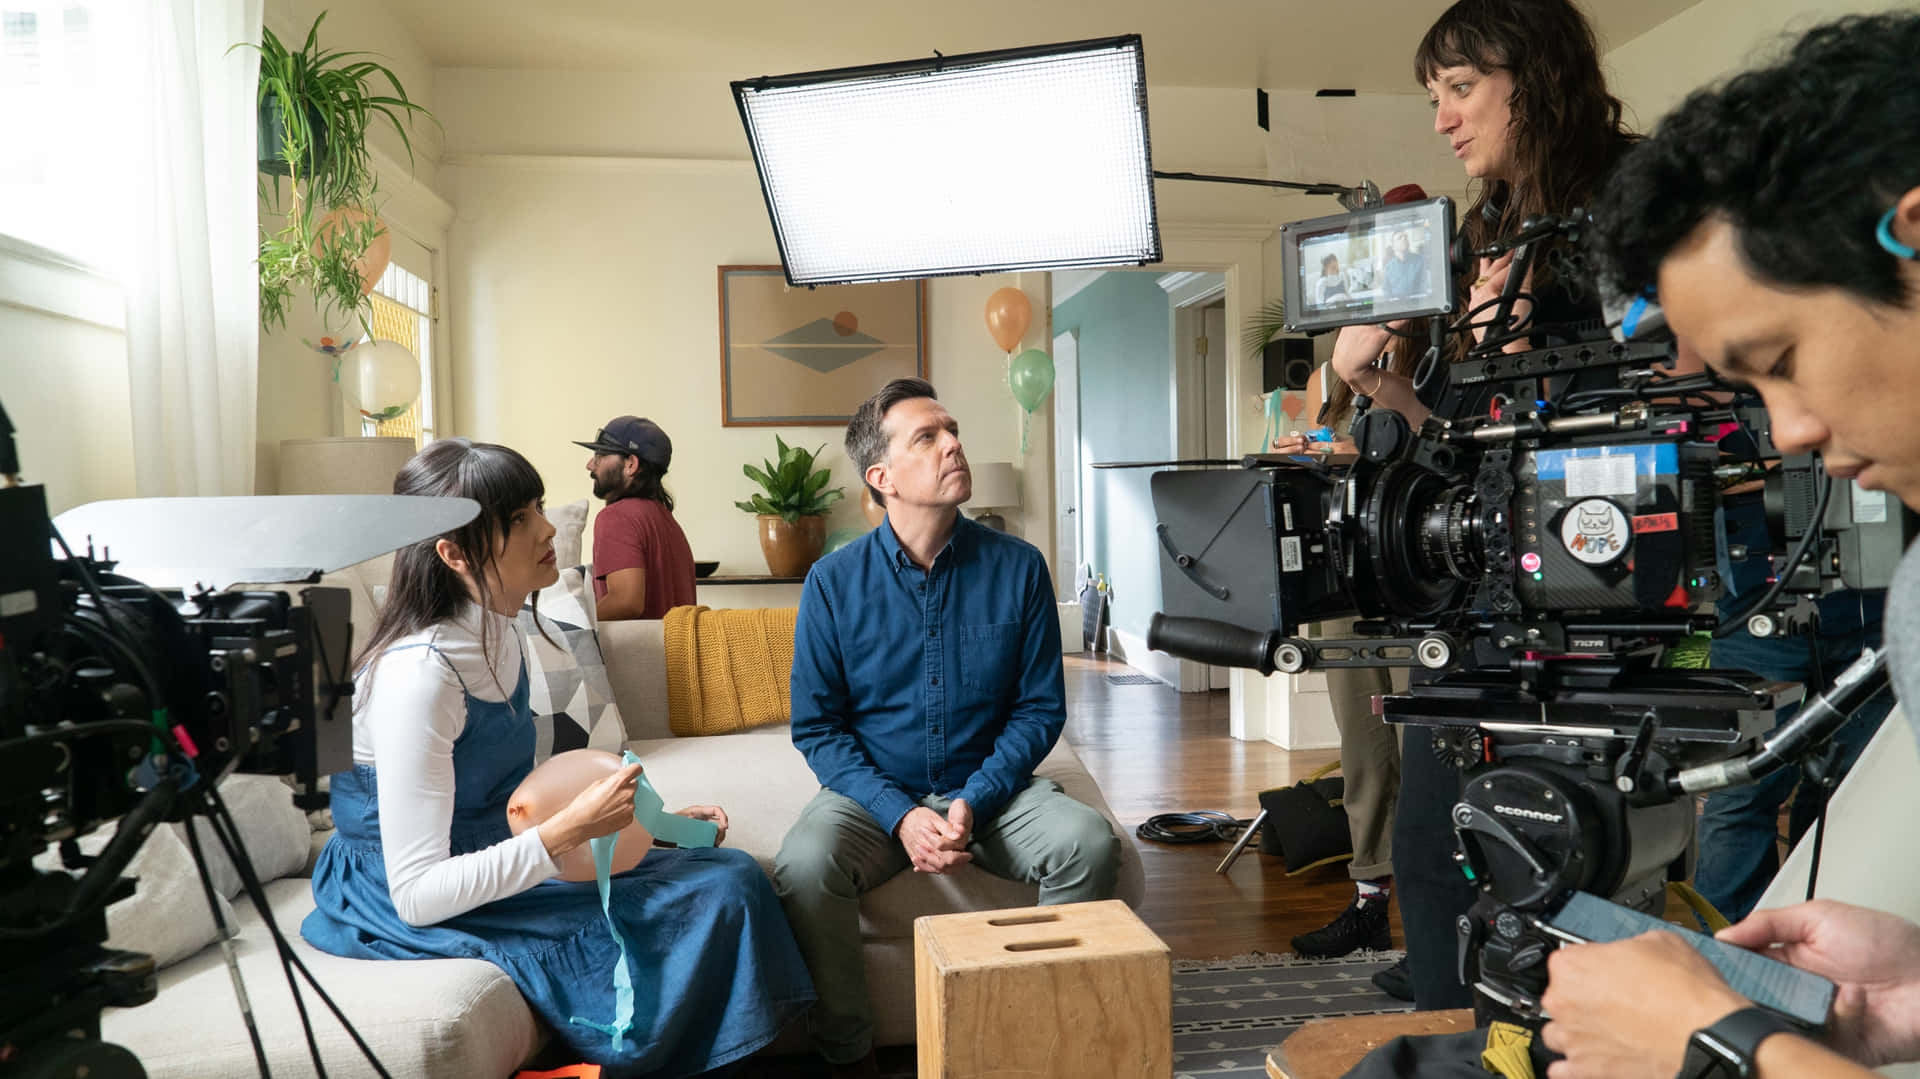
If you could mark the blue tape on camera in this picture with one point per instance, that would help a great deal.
(651, 811)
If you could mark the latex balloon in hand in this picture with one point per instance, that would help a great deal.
(548, 788)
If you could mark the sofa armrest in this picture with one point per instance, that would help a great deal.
(636, 658)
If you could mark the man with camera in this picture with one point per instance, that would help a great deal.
(1777, 217)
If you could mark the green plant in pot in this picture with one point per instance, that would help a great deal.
(791, 508)
(316, 107)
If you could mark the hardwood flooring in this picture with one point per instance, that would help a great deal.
(1155, 750)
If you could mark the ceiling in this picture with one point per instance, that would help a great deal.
(1277, 44)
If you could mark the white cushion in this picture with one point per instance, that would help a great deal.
(166, 916)
(276, 833)
(570, 525)
(568, 691)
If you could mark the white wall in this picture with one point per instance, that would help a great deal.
(63, 377)
(1709, 41)
(588, 289)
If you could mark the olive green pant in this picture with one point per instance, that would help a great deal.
(1369, 764)
(836, 851)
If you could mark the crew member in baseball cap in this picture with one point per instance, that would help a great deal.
(642, 564)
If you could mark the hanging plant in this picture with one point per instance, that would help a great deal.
(315, 109)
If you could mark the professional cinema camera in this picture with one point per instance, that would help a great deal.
(1532, 550)
(128, 699)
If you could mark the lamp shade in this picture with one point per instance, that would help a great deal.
(342, 466)
(995, 486)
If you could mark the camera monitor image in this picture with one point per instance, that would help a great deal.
(1385, 263)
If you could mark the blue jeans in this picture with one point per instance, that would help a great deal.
(1739, 829)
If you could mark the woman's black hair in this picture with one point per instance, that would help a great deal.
(1801, 157)
(424, 590)
(1566, 127)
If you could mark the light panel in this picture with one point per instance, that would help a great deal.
(1034, 158)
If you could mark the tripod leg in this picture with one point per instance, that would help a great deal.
(1241, 843)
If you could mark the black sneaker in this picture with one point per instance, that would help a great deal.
(1396, 981)
(1362, 925)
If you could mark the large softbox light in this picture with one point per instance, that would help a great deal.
(1018, 159)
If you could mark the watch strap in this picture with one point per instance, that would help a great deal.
(1727, 1047)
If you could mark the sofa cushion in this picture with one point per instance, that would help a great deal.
(572, 701)
(166, 916)
(728, 670)
(275, 833)
(429, 1017)
(763, 782)
(569, 527)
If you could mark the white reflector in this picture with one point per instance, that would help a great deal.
(1034, 158)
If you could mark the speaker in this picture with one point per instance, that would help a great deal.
(1286, 363)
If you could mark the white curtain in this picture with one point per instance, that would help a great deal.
(193, 338)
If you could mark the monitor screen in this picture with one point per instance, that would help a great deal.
(1374, 265)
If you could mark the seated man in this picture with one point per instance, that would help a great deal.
(642, 565)
(926, 688)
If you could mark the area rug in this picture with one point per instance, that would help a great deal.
(1228, 1013)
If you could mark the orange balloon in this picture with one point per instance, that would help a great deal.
(548, 788)
(379, 252)
(1008, 314)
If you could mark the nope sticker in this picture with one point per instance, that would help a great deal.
(1595, 531)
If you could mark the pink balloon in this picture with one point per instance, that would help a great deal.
(548, 788)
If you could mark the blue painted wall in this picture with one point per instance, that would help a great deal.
(1125, 326)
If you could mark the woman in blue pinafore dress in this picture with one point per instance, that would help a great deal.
(422, 864)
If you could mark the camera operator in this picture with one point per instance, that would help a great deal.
(1518, 93)
(1778, 217)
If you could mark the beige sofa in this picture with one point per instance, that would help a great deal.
(464, 1018)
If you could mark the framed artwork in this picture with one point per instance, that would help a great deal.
(797, 357)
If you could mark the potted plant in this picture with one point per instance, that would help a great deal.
(791, 509)
(315, 109)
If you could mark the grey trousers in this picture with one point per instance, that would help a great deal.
(1369, 764)
(835, 851)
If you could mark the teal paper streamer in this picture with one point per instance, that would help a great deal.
(622, 977)
(1273, 421)
(651, 811)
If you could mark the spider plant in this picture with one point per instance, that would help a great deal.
(316, 107)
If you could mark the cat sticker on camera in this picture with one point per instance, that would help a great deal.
(1595, 531)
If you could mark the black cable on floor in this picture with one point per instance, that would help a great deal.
(1201, 826)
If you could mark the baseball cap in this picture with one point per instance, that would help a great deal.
(631, 434)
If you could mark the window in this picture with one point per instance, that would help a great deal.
(403, 313)
(62, 147)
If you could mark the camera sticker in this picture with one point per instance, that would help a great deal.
(1595, 531)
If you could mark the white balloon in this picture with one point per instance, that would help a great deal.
(379, 375)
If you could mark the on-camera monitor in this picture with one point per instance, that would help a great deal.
(1371, 266)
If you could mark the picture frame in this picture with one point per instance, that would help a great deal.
(807, 357)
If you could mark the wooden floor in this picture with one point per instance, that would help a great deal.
(1155, 750)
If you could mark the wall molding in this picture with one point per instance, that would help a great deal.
(600, 163)
(1133, 650)
(36, 278)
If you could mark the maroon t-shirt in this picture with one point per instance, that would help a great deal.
(639, 533)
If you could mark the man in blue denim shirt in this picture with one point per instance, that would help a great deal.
(1739, 829)
(926, 688)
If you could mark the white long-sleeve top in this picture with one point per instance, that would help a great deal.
(409, 708)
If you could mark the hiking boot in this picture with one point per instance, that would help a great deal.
(1396, 981)
(1362, 925)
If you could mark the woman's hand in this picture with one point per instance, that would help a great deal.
(713, 813)
(604, 807)
(1298, 444)
(1354, 351)
(1487, 288)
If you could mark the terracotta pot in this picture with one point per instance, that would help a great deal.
(873, 511)
(791, 549)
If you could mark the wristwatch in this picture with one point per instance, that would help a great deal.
(1726, 1049)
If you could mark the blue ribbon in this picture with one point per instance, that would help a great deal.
(651, 811)
(622, 977)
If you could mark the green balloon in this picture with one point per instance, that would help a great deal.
(1030, 377)
(840, 537)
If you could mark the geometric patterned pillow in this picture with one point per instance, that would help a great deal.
(571, 699)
